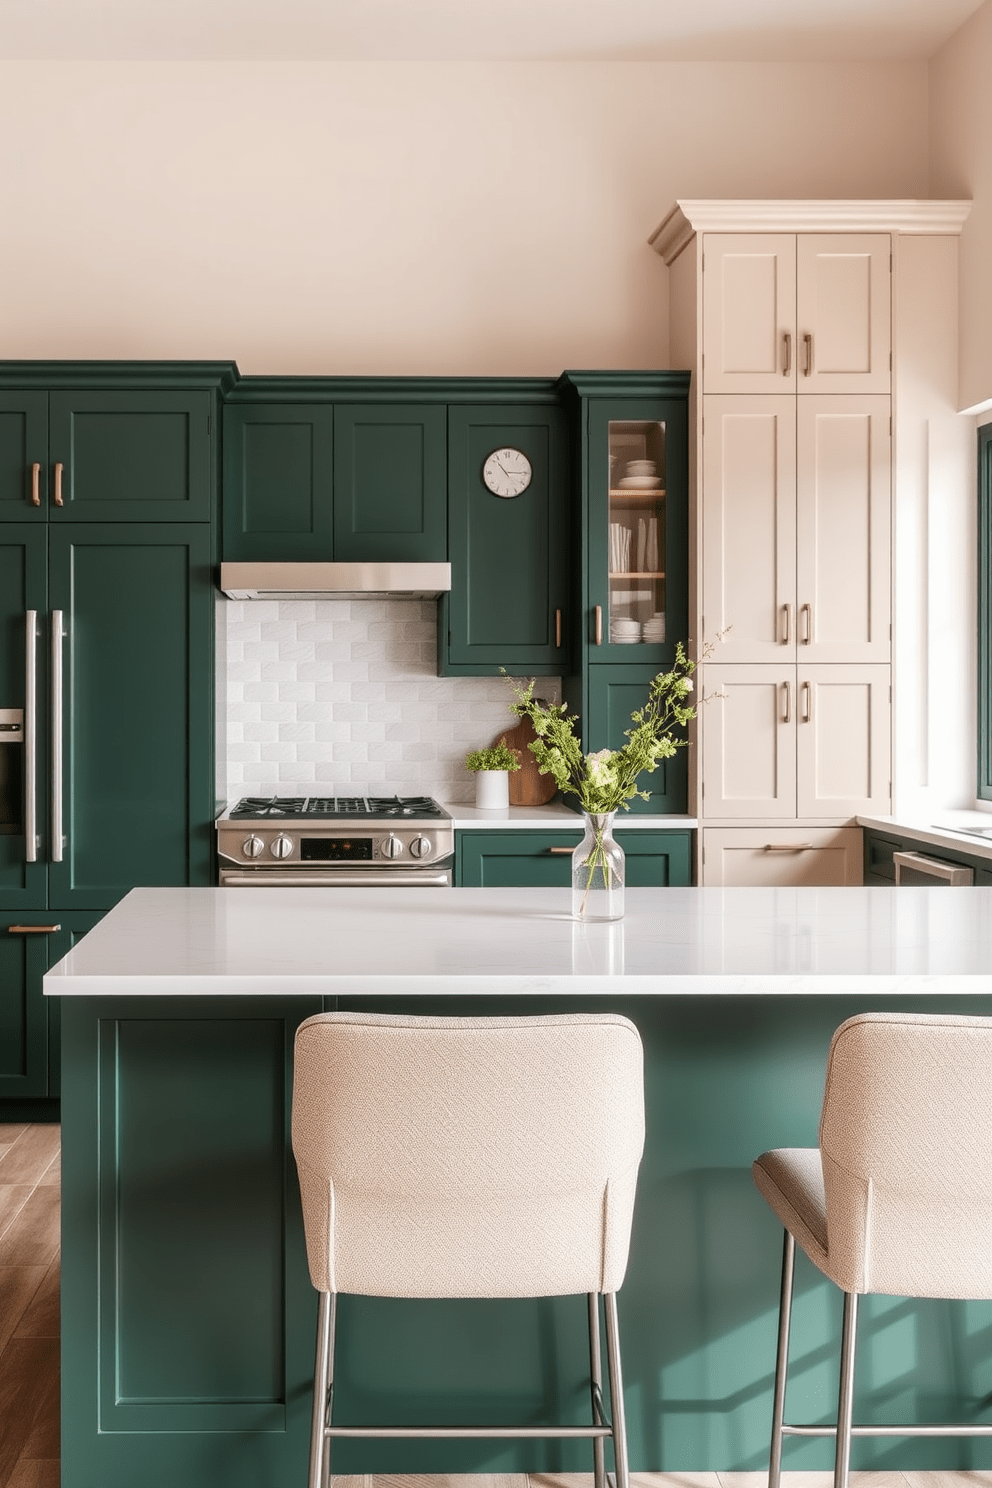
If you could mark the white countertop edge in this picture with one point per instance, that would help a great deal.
(800, 984)
(555, 815)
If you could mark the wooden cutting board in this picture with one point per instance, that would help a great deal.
(527, 786)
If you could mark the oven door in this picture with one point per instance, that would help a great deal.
(436, 877)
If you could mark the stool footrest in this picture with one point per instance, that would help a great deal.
(890, 1430)
(583, 1432)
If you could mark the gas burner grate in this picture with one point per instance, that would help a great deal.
(256, 806)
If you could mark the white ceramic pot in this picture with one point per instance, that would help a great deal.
(492, 790)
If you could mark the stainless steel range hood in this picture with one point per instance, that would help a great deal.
(335, 580)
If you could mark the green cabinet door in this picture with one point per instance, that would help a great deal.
(278, 482)
(24, 959)
(613, 693)
(136, 697)
(23, 457)
(23, 601)
(522, 858)
(134, 456)
(390, 463)
(508, 605)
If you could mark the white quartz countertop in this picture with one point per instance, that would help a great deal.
(358, 942)
(556, 815)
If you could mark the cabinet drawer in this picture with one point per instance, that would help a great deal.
(774, 856)
(536, 859)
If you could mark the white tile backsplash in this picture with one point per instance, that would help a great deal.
(344, 694)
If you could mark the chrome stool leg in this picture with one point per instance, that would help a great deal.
(782, 1359)
(845, 1402)
(617, 1413)
(323, 1391)
(596, 1386)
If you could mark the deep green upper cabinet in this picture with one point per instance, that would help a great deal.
(508, 605)
(389, 483)
(307, 479)
(278, 479)
(105, 454)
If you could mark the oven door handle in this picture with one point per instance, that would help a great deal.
(275, 879)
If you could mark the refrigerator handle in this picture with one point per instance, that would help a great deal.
(57, 633)
(31, 736)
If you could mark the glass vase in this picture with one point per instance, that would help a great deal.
(598, 871)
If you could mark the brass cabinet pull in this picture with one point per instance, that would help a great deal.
(32, 929)
(787, 615)
(807, 613)
(599, 625)
(36, 484)
(558, 629)
(788, 847)
(807, 354)
(807, 702)
(58, 485)
(555, 851)
(787, 715)
(787, 342)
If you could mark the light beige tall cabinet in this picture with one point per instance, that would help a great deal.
(788, 314)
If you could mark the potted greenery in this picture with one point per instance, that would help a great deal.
(491, 769)
(606, 780)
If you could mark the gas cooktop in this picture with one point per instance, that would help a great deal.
(330, 808)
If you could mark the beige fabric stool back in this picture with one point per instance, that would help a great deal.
(468, 1157)
(898, 1196)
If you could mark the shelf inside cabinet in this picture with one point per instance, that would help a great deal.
(637, 498)
(644, 573)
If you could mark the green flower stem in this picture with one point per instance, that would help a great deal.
(597, 859)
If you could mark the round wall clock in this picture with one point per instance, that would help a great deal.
(507, 472)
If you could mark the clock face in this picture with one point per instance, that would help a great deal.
(507, 472)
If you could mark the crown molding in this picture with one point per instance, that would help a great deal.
(687, 218)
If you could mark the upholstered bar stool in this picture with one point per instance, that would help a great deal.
(469, 1157)
(897, 1198)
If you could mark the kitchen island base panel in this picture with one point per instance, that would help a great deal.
(189, 1319)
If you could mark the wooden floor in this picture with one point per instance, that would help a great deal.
(29, 1355)
(29, 1306)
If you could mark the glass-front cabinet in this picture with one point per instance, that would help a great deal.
(635, 612)
(637, 479)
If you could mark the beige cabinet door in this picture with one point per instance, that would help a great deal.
(843, 529)
(759, 857)
(748, 737)
(749, 312)
(843, 746)
(749, 526)
(843, 312)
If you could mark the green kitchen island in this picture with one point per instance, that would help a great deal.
(187, 1313)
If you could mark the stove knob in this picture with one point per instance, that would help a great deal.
(282, 847)
(421, 847)
(392, 847)
(252, 847)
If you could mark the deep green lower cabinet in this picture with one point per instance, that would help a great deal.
(188, 1319)
(29, 1022)
(509, 604)
(881, 847)
(314, 480)
(522, 858)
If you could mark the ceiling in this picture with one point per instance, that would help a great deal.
(477, 30)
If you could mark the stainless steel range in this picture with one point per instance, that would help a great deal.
(335, 840)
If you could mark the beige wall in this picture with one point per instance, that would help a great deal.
(961, 166)
(402, 218)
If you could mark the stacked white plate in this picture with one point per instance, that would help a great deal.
(653, 630)
(625, 632)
